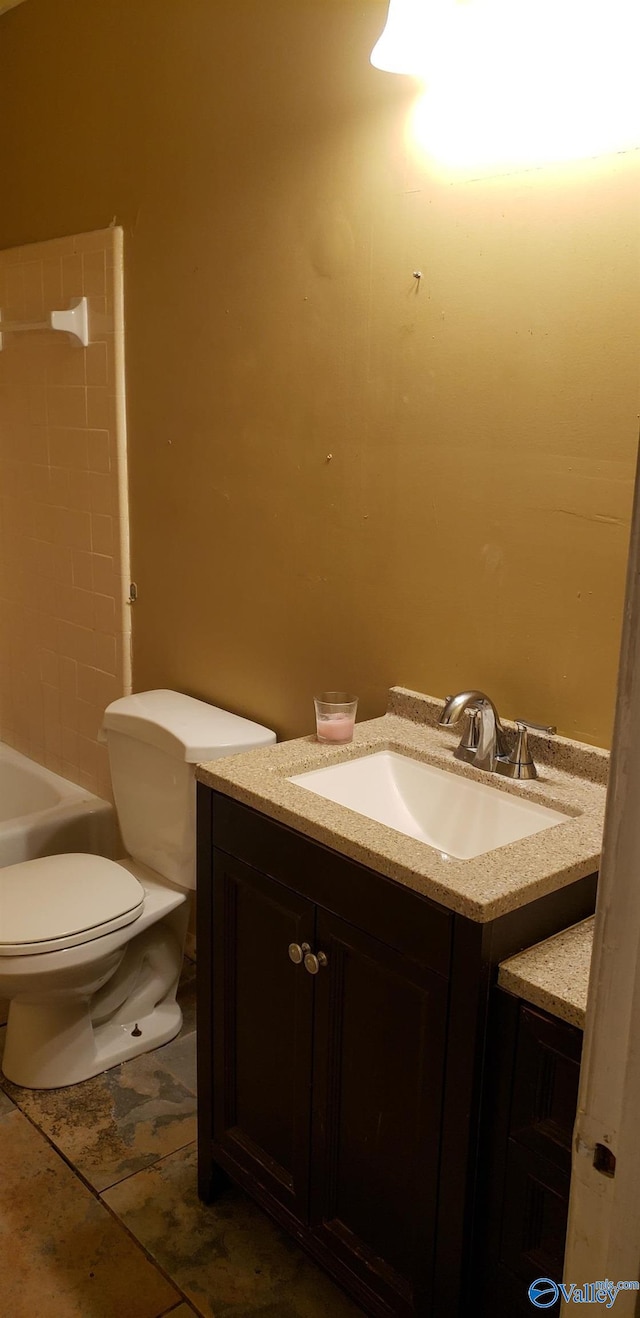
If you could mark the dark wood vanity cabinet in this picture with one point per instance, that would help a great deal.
(532, 1096)
(313, 1103)
(344, 1093)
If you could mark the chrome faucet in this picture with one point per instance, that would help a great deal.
(483, 740)
(484, 743)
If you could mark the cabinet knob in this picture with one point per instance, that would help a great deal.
(312, 963)
(297, 952)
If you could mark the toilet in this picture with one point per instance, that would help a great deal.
(90, 948)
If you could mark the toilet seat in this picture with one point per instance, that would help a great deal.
(56, 902)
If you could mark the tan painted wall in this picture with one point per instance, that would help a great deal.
(471, 525)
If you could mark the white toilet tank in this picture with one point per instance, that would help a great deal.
(154, 739)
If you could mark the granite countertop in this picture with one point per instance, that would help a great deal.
(554, 975)
(572, 778)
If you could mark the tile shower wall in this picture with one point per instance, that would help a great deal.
(64, 622)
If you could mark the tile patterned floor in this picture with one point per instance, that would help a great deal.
(99, 1214)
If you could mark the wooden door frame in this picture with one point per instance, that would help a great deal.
(603, 1237)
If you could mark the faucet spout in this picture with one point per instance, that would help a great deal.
(491, 741)
(456, 705)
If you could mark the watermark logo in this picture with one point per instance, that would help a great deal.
(544, 1293)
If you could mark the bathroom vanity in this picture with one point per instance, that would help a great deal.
(535, 1041)
(345, 983)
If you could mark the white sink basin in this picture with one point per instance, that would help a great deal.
(458, 816)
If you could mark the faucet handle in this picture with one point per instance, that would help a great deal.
(470, 740)
(548, 728)
(519, 764)
(520, 760)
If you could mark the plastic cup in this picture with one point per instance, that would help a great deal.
(335, 716)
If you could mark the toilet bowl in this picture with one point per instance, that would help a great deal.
(91, 949)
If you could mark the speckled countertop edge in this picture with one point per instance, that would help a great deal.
(481, 889)
(554, 975)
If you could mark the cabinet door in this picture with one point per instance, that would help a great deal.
(531, 1091)
(545, 1089)
(262, 1033)
(535, 1219)
(378, 1077)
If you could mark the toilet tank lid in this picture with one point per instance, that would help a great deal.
(186, 728)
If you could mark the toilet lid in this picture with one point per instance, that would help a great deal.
(59, 901)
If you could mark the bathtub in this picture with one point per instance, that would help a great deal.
(41, 813)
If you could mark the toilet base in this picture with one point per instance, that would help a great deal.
(51, 1047)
